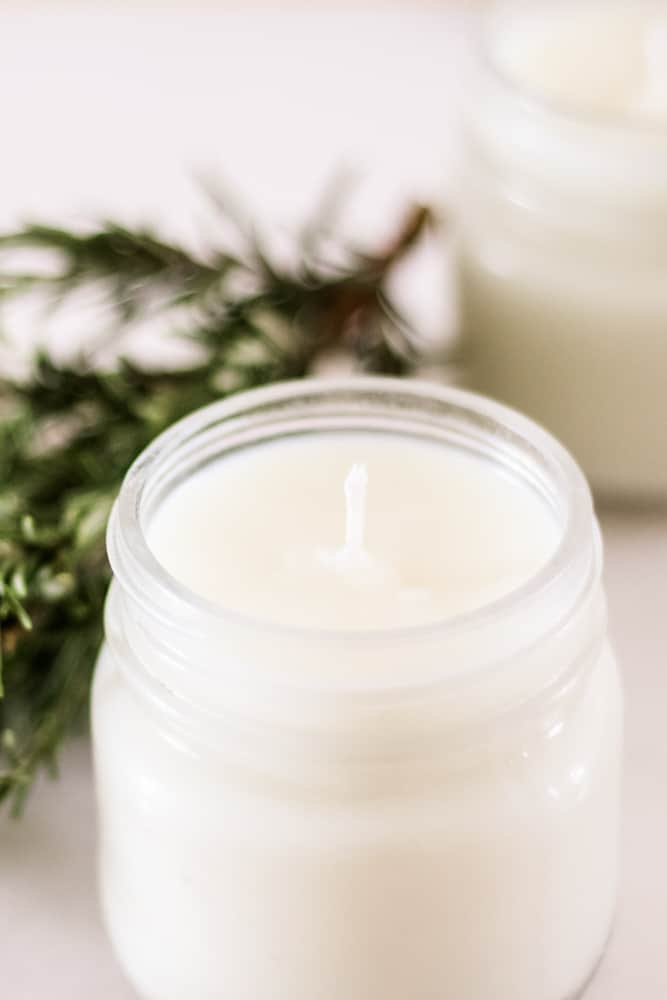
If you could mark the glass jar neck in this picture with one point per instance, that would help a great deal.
(199, 664)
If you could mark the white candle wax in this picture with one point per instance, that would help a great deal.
(563, 235)
(356, 721)
(591, 56)
(262, 532)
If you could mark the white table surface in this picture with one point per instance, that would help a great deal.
(110, 111)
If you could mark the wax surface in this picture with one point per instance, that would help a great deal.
(604, 57)
(445, 532)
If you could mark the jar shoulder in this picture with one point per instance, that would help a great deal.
(156, 771)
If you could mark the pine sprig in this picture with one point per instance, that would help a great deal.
(69, 431)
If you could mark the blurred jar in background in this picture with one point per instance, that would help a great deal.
(562, 263)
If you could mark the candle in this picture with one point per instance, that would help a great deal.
(356, 720)
(409, 536)
(563, 231)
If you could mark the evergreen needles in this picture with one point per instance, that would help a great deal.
(69, 431)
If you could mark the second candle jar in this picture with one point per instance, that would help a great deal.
(563, 231)
(388, 805)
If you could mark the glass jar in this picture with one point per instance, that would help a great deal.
(562, 264)
(420, 812)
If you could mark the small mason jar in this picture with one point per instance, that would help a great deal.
(419, 812)
(562, 241)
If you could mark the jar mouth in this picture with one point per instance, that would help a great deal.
(618, 123)
(471, 422)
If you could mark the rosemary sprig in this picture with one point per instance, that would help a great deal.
(69, 431)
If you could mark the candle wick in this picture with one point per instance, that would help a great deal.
(356, 483)
(352, 557)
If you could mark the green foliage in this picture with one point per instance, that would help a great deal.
(68, 432)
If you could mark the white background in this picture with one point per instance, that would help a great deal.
(112, 112)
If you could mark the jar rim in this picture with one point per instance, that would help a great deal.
(575, 557)
(536, 102)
